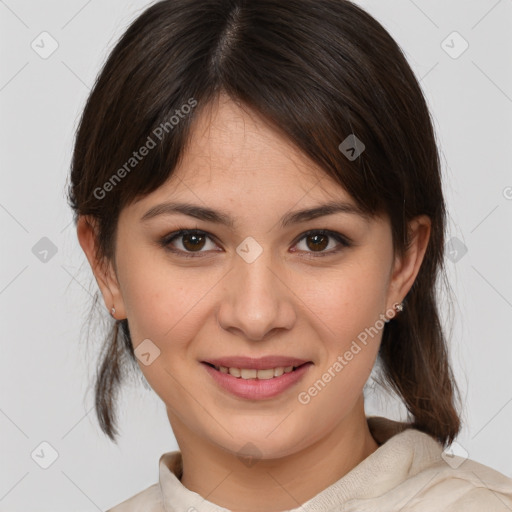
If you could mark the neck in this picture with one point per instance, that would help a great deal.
(273, 484)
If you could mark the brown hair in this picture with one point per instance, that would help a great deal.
(319, 70)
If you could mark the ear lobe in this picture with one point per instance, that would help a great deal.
(407, 266)
(103, 271)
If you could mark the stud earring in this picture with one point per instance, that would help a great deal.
(399, 307)
(112, 311)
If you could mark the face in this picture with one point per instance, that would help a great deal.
(260, 283)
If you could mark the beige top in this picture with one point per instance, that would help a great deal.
(406, 473)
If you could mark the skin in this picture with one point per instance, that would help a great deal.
(286, 302)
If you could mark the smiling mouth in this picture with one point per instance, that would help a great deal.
(251, 373)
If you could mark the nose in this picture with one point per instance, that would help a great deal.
(256, 301)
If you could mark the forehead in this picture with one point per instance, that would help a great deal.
(234, 153)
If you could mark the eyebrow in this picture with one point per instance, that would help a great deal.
(207, 214)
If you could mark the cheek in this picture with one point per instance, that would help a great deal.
(160, 298)
(345, 311)
(346, 301)
(170, 305)
(167, 305)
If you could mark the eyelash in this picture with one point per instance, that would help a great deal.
(166, 241)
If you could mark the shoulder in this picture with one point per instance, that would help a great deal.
(151, 498)
(411, 472)
(148, 500)
(454, 484)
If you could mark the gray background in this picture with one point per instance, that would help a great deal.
(46, 365)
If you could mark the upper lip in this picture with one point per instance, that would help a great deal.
(261, 363)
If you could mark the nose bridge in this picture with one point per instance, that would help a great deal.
(255, 301)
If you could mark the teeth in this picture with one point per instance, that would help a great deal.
(246, 373)
(236, 372)
(278, 371)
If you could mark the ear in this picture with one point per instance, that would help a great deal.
(407, 266)
(103, 271)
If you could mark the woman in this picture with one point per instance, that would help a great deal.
(256, 186)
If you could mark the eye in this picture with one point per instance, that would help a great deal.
(190, 243)
(317, 241)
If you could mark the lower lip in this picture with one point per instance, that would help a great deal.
(257, 389)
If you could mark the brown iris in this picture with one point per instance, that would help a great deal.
(193, 241)
(320, 242)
